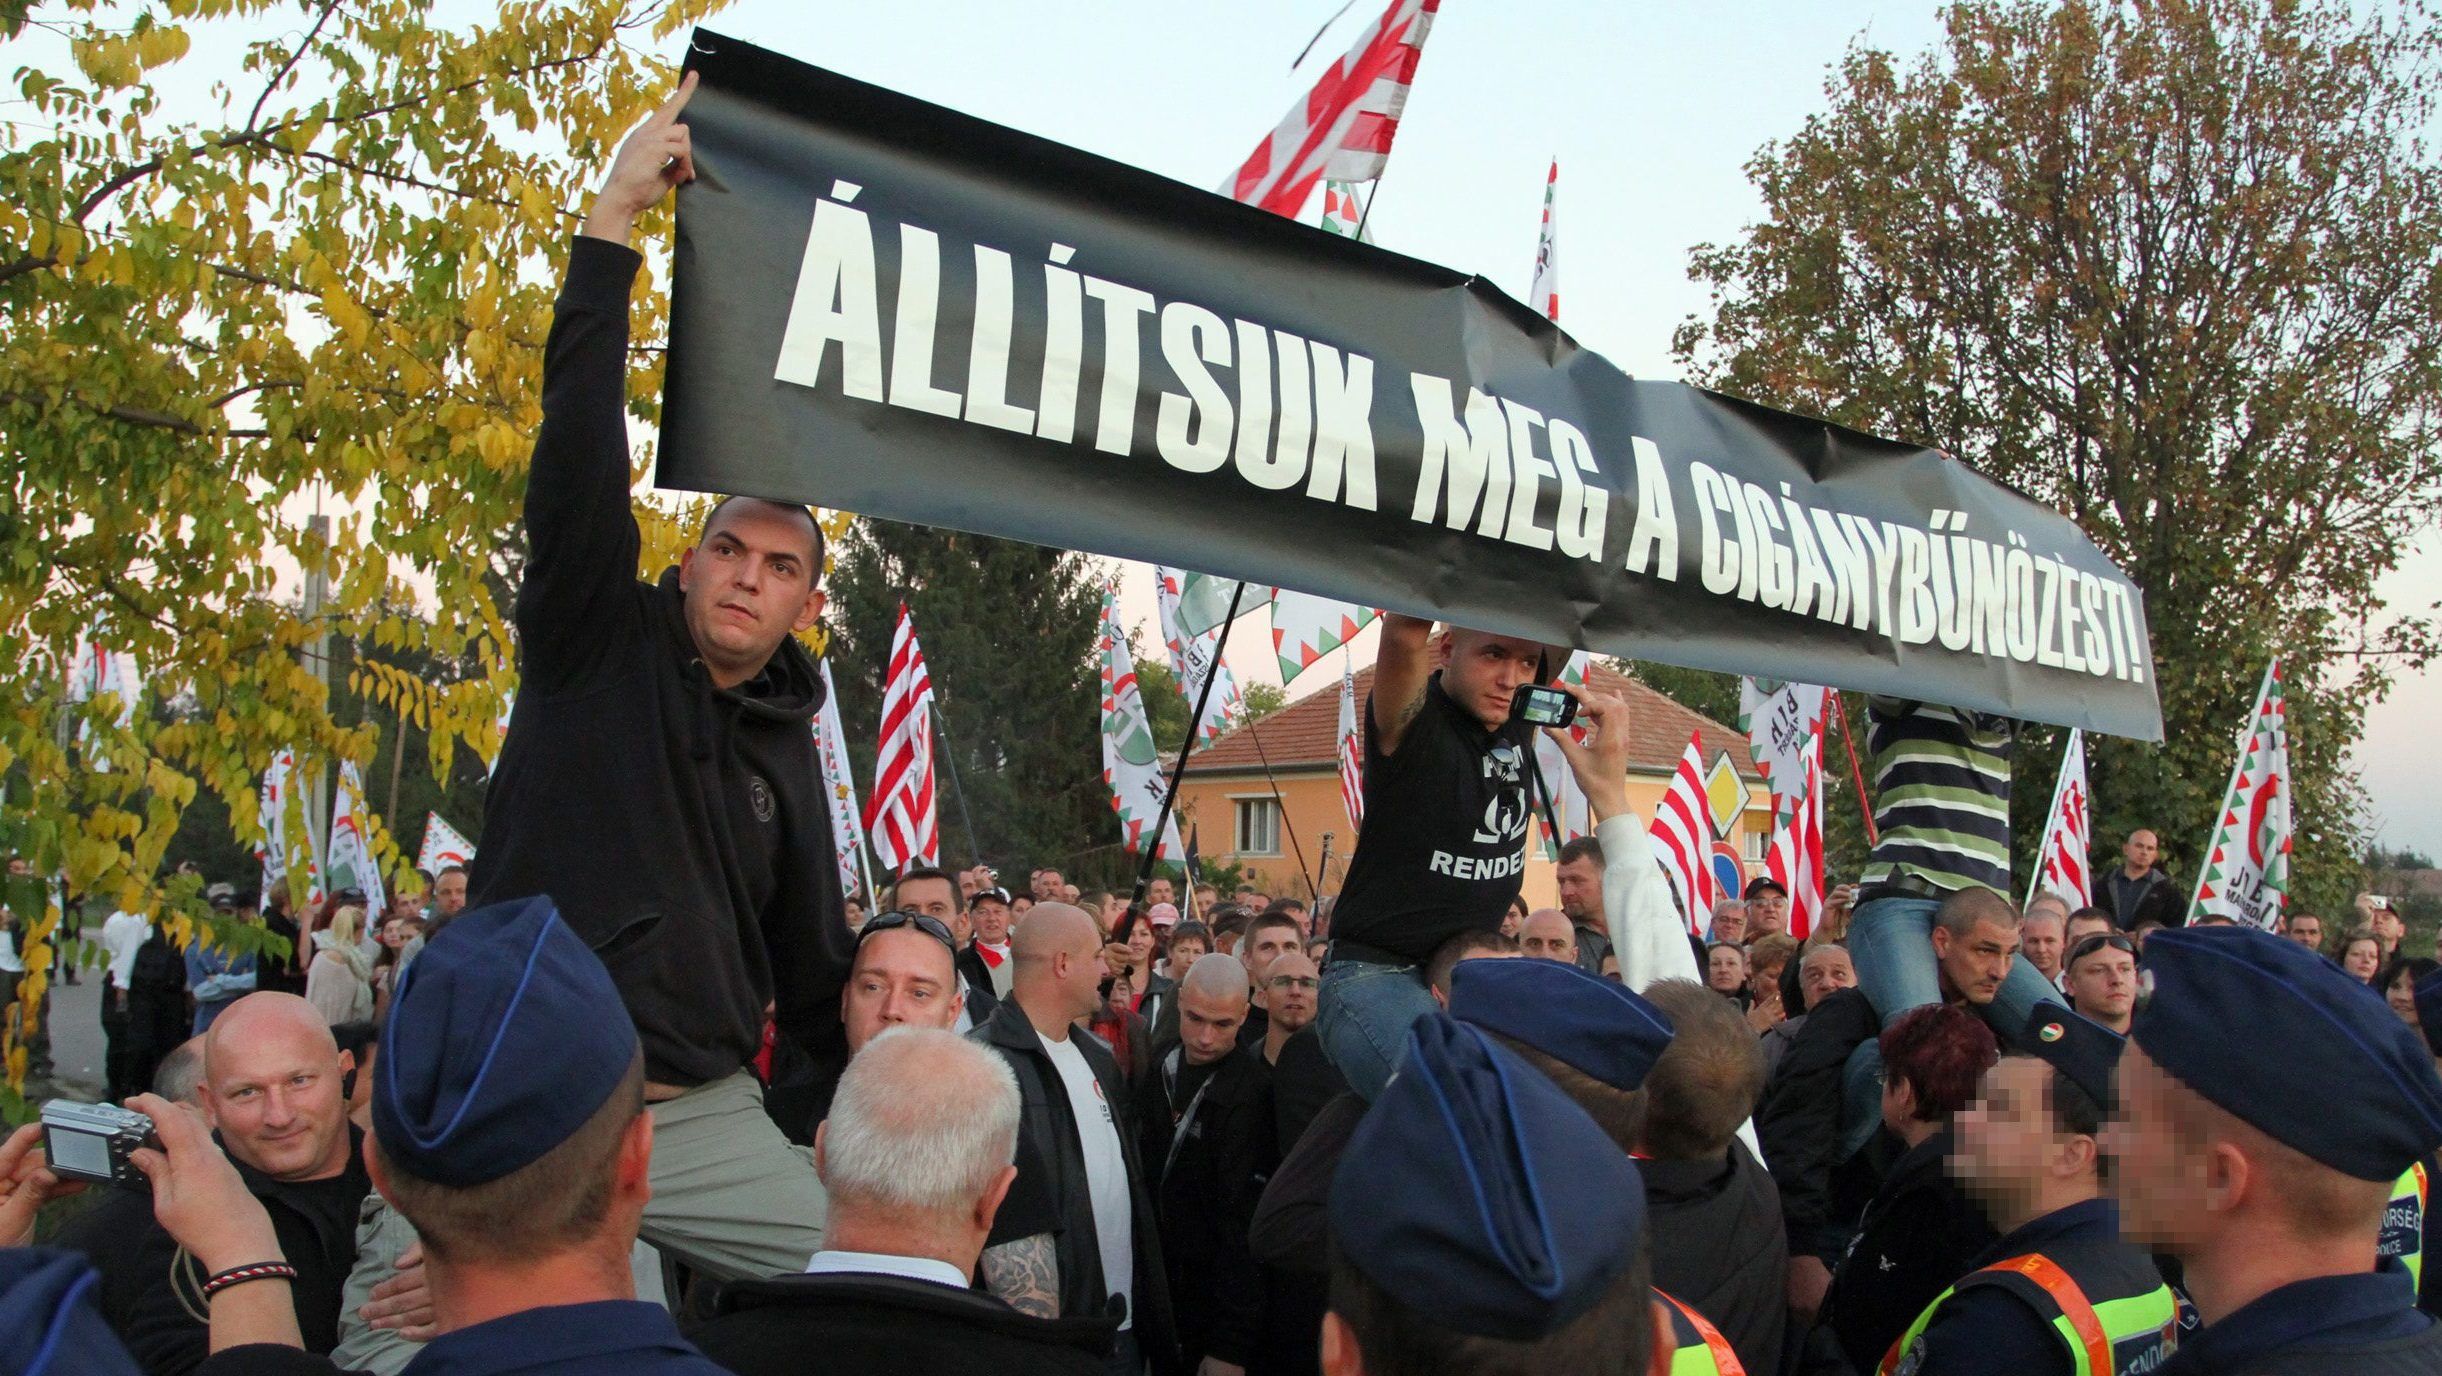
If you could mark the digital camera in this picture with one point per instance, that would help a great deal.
(1538, 705)
(92, 1142)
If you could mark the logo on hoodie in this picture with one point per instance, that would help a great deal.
(759, 794)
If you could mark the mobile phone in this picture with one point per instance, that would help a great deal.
(2381, 901)
(1538, 705)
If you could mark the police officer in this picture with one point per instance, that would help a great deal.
(1484, 1223)
(2409, 1222)
(2267, 1104)
(2059, 1294)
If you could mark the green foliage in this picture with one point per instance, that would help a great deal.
(1009, 632)
(2173, 269)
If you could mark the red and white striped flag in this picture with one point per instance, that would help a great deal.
(1796, 856)
(1351, 751)
(900, 817)
(1545, 294)
(2061, 866)
(1683, 838)
(1344, 127)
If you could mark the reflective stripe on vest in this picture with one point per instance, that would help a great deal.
(1698, 1349)
(2089, 1332)
(2404, 1223)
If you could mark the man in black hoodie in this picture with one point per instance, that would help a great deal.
(671, 720)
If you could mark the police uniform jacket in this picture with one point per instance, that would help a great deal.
(1986, 1330)
(891, 1323)
(602, 1338)
(2330, 1326)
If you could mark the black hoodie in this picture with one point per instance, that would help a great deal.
(679, 827)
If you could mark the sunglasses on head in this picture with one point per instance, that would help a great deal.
(2088, 945)
(901, 917)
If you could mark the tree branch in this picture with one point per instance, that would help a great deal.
(289, 64)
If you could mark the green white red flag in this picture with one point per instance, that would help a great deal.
(444, 846)
(1131, 766)
(1545, 294)
(1305, 628)
(1342, 213)
(350, 857)
(2245, 876)
(282, 817)
(1193, 610)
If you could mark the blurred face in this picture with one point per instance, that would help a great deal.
(854, 911)
(1581, 889)
(1266, 944)
(750, 584)
(1122, 998)
(2103, 986)
(2402, 995)
(1183, 953)
(1159, 891)
(1730, 922)
(935, 898)
(2388, 926)
(2307, 930)
(2006, 1142)
(990, 917)
(2161, 1186)
(2362, 958)
(2041, 939)
(2139, 851)
(395, 932)
(1767, 914)
(1208, 1027)
(1291, 991)
(1763, 981)
(2081, 928)
(1140, 944)
(1483, 673)
(1825, 972)
(1977, 962)
(449, 894)
(901, 976)
(1047, 886)
(273, 1089)
(1547, 935)
(1725, 969)
(1513, 920)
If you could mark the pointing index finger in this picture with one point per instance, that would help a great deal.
(668, 113)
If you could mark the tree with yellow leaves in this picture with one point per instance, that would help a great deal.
(317, 274)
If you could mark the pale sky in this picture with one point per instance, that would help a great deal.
(1653, 111)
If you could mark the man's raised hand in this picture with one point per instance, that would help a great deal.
(656, 157)
(1601, 765)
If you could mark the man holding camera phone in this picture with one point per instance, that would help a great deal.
(1448, 793)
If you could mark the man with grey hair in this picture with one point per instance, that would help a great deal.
(916, 1157)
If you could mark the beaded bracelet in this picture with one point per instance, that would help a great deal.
(239, 1275)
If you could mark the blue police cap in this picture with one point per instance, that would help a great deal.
(2078, 1049)
(2429, 1010)
(2283, 1039)
(504, 1037)
(1582, 1020)
(1477, 1194)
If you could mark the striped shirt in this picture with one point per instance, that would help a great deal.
(1941, 796)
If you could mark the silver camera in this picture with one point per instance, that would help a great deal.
(92, 1142)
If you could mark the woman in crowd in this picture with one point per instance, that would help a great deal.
(2398, 981)
(1188, 941)
(396, 932)
(1920, 1230)
(1120, 1028)
(2361, 954)
(339, 982)
(1515, 918)
(1767, 960)
(1725, 967)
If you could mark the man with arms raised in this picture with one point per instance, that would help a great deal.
(670, 720)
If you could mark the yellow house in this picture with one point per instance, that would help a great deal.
(1288, 823)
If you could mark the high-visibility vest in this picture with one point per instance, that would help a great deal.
(2404, 1223)
(1697, 1348)
(2133, 1326)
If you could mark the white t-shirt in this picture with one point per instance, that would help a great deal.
(1106, 1169)
(122, 936)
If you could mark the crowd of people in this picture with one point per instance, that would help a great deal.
(718, 1115)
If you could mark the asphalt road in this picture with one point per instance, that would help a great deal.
(76, 1037)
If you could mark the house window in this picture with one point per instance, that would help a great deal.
(1258, 826)
(1756, 842)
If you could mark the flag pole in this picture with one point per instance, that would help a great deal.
(1195, 720)
(1313, 894)
(950, 757)
(1368, 212)
(1855, 771)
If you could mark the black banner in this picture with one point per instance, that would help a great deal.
(891, 308)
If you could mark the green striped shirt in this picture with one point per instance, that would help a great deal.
(1941, 796)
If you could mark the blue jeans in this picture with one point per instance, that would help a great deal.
(1891, 943)
(1366, 1013)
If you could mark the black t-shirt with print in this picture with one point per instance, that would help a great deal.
(1443, 849)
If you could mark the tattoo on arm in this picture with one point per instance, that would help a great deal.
(1408, 712)
(1025, 1273)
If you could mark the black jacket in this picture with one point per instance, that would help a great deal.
(1220, 1156)
(888, 1324)
(1718, 1247)
(2153, 894)
(1798, 1122)
(1051, 1184)
(316, 1225)
(620, 748)
(1919, 1235)
(1303, 1080)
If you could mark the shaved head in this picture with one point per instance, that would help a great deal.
(1050, 928)
(258, 1016)
(273, 1086)
(1216, 976)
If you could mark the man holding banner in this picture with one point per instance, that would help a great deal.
(669, 722)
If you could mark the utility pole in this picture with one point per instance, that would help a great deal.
(314, 787)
